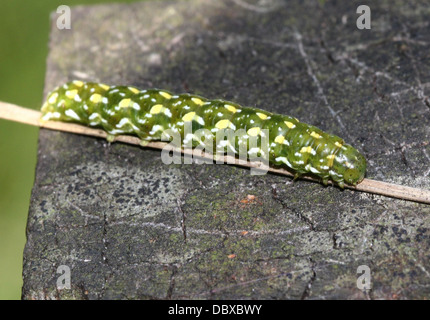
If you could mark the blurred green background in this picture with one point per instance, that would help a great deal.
(24, 38)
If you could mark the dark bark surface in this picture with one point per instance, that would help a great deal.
(130, 227)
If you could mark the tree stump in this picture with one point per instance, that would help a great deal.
(124, 225)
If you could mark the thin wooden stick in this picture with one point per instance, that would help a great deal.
(32, 117)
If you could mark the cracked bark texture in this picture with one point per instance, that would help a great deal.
(130, 227)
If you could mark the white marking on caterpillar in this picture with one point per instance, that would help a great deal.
(72, 114)
(53, 98)
(284, 160)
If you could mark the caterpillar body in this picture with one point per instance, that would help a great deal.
(148, 113)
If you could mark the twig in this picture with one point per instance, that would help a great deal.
(32, 117)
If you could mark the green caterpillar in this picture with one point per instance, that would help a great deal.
(148, 113)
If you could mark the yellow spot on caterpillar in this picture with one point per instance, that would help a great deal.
(330, 160)
(134, 90)
(96, 98)
(165, 95)
(307, 149)
(78, 83)
(124, 103)
(156, 109)
(253, 132)
(230, 108)
(197, 101)
(71, 93)
(315, 135)
(280, 139)
(337, 144)
(290, 124)
(189, 116)
(104, 86)
(222, 124)
(262, 116)
(159, 108)
(53, 98)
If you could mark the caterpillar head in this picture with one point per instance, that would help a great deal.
(349, 166)
(53, 108)
(60, 103)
